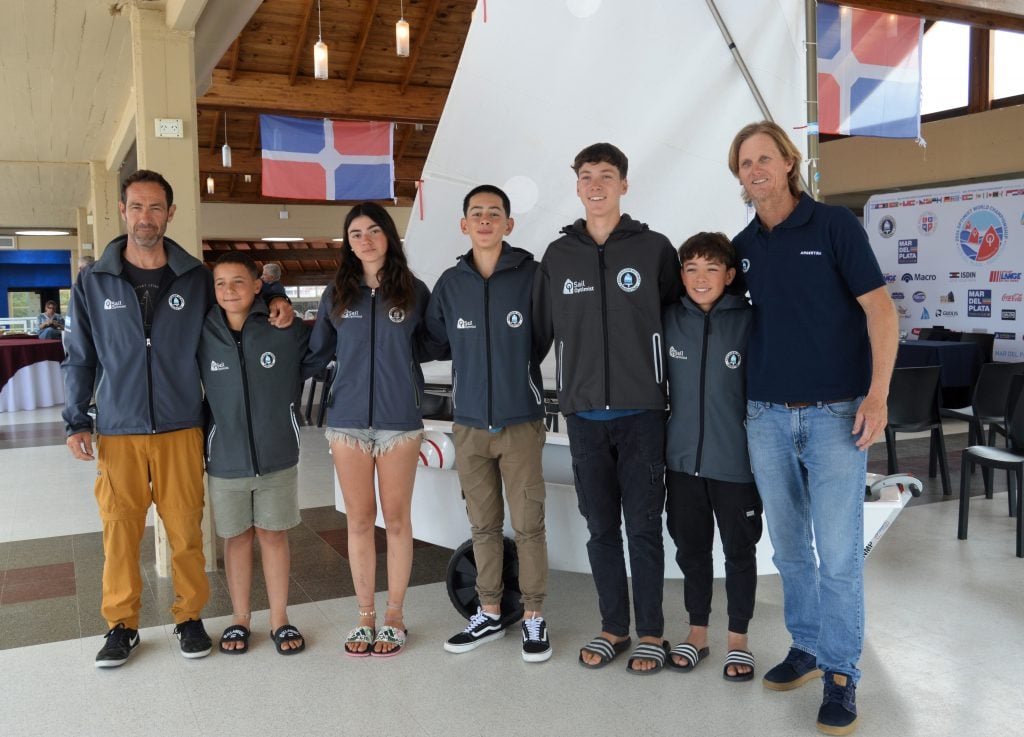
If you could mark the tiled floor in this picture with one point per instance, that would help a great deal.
(944, 653)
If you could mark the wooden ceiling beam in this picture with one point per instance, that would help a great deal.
(236, 47)
(300, 42)
(403, 140)
(213, 131)
(421, 38)
(364, 34)
(251, 163)
(273, 93)
(1005, 15)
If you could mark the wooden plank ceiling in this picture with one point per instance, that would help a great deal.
(269, 69)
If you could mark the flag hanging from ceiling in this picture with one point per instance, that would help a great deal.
(327, 159)
(869, 72)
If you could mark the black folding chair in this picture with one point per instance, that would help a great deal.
(986, 342)
(913, 407)
(988, 457)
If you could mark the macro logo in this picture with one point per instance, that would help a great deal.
(920, 296)
(917, 277)
(887, 226)
(1004, 276)
(963, 275)
(1008, 314)
(979, 303)
(897, 296)
(889, 278)
(981, 233)
(906, 252)
(927, 223)
(1006, 336)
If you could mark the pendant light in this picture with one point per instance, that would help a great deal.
(209, 184)
(225, 150)
(402, 32)
(319, 49)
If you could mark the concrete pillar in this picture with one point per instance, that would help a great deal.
(105, 192)
(163, 71)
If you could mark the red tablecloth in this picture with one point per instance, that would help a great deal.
(20, 352)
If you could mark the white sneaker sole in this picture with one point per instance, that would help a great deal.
(475, 644)
(537, 657)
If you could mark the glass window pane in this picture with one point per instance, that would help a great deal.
(292, 292)
(1009, 63)
(945, 58)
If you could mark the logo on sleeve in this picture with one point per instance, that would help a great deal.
(514, 319)
(733, 359)
(267, 360)
(464, 324)
(628, 279)
(396, 315)
(176, 301)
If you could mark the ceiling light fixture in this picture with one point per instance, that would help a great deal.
(402, 31)
(282, 239)
(40, 231)
(209, 184)
(248, 178)
(225, 150)
(319, 49)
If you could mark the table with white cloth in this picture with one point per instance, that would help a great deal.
(30, 374)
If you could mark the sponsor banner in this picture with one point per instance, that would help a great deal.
(952, 256)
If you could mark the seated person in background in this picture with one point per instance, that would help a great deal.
(251, 372)
(708, 476)
(50, 323)
(270, 282)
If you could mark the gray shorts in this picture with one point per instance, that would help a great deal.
(371, 440)
(270, 502)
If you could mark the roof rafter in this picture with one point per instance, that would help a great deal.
(364, 34)
(993, 14)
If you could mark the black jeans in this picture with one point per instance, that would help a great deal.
(693, 506)
(619, 469)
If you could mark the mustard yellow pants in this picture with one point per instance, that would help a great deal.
(134, 471)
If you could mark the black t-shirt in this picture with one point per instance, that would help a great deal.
(150, 286)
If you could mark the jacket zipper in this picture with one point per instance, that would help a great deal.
(149, 380)
(487, 344)
(248, 408)
(604, 327)
(373, 347)
(703, 378)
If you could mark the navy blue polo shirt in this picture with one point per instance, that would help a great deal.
(809, 338)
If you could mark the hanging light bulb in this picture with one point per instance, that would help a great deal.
(248, 178)
(225, 150)
(319, 49)
(402, 32)
(209, 184)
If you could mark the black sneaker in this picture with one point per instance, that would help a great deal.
(195, 643)
(838, 712)
(536, 648)
(482, 628)
(798, 668)
(121, 641)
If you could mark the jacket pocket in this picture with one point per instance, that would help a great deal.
(559, 363)
(659, 371)
(295, 424)
(537, 396)
(209, 443)
(455, 388)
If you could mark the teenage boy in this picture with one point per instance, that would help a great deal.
(599, 294)
(708, 475)
(480, 309)
(251, 372)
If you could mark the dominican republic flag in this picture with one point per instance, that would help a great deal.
(869, 73)
(308, 159)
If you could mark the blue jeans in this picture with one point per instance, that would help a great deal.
(619, 469)
(811, 478)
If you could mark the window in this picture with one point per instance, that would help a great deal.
(945, 59)
(1008, 58)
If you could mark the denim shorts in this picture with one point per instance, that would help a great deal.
(270, 502)
(371, 440)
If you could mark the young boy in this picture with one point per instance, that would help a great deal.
(599, 294)
(251, 373)
(480, 309)
(709, 475)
